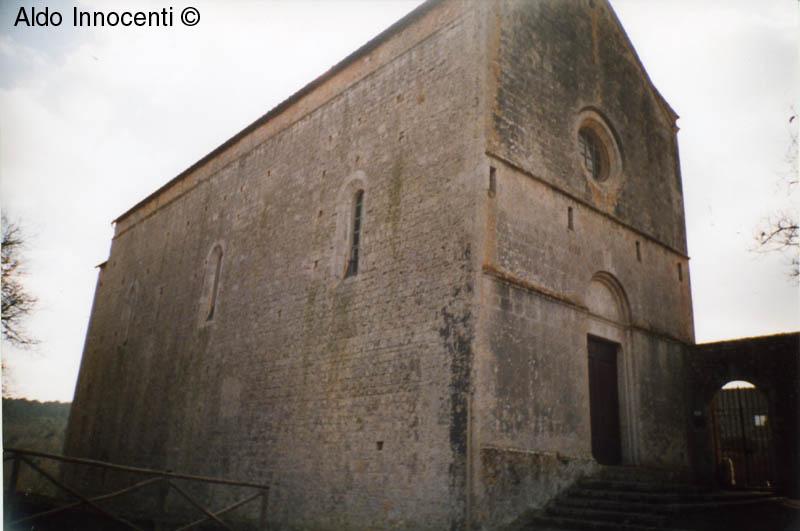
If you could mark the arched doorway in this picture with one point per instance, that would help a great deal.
(742, 432)
(609, 372)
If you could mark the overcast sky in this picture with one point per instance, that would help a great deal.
(93, 120)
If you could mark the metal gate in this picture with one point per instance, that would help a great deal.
(742, 438)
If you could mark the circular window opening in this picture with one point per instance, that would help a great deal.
(594, 154)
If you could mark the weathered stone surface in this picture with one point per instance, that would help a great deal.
(565, 257)
(446, 384)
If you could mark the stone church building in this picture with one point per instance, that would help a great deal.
(429, 290)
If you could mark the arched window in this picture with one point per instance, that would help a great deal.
(355, 234)
(213, 270)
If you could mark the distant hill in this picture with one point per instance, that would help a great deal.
(34, 425)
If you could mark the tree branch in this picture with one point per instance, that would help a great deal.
(17, 303)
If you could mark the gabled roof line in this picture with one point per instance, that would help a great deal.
(372, 44)
(659, 97)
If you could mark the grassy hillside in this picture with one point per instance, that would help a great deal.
(33, 425)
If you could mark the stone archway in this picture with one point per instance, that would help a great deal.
(741, 427)
(772, 365)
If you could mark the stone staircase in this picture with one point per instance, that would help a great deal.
(626, 499)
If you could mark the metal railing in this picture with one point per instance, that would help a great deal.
(166, 479)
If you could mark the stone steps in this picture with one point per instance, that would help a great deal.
(640, 486)
(653, 505)
(558, 523)
(629, 474)
(625, 516)
(663, 498)
(646, 501)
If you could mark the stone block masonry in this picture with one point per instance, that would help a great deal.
(444, 382)
(346, 395)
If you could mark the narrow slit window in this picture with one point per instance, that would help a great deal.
(355, 236)
(215, 268)
(638, 251)
(680, 272)
(570, 219)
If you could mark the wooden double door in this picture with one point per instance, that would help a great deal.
(604, 401)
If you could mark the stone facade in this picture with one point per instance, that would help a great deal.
(446, 384)
(564, 257)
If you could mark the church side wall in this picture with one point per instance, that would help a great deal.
(346, 395)
(550, 235)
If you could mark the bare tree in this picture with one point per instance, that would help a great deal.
(783, 235)
(17, 303)
(781, 232)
